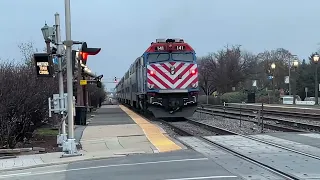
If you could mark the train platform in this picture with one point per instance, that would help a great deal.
(113, 131)
(117, 128)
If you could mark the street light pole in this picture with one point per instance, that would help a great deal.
(289, 76)
(295, 65)
(47, 41)
(207, 94)
(273, 67)
(316, 84)
(315, 58)
(63, 135)
(292, 56)
(46, 35)
(71, 149)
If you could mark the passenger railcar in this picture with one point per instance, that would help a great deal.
(164, 80)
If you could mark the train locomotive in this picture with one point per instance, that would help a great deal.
(164, 80)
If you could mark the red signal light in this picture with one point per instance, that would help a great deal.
(85, 52)
(84, 55)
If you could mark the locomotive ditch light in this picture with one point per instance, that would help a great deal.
(152, 73)
(193, 71)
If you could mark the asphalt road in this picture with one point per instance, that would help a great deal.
(182, 165)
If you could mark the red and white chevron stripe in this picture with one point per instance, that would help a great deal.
(185, 75)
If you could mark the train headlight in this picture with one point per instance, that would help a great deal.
(193, 71)
(152, 73)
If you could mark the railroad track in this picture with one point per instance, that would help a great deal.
(198, 128)
(206, 130)
(268, 111)
(268, 120)
(219, 131)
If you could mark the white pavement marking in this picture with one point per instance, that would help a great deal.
(98, 167)
(312, 135)
(207, 177)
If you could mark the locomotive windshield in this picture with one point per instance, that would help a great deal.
(182, 57)
(160, 57)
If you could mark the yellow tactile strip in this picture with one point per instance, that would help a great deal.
(153, 133)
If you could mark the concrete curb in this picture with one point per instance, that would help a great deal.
(60, 163)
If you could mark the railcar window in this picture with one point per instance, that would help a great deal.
(158, 57)
(183, 57)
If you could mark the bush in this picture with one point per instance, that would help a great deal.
(234, 97)
(202, 99)
(24, 102)
(24, 99)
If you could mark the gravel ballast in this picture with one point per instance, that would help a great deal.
(246, 128)
(193, 129)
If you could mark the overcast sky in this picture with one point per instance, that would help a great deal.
(125, 28)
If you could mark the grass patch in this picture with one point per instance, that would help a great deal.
(47, 132)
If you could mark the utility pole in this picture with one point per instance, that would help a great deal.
(207, 94)
(316, 84)
(71, 149)
(63, 136)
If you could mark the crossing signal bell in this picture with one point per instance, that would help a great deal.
(85, 52)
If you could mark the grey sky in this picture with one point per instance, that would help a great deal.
(125, 28)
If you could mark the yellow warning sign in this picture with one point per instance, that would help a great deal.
(83, 82)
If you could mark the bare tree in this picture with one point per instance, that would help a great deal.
(228, 68)
(96, 95)
(206, 82)
(281, 58)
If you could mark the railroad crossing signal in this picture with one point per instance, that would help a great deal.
(85, 52)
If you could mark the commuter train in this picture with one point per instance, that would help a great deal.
(164, 80)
